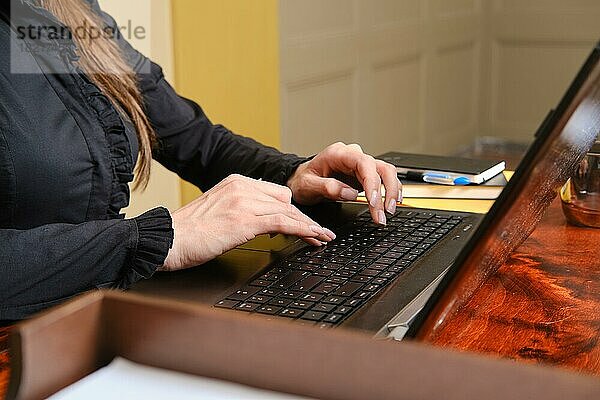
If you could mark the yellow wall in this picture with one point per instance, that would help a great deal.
(226, 59)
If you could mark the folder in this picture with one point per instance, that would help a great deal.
(64, 345)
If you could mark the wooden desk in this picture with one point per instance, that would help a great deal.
(543, 306)
(4, 368)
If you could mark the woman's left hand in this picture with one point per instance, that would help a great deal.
(338, 171)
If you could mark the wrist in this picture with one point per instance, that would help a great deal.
(173, 261)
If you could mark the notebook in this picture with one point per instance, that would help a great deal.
(477, 171)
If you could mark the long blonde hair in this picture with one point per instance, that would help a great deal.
(102, 60)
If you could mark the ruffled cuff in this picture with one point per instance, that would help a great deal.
(154, 239)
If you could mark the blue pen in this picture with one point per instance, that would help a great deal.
(444, 179)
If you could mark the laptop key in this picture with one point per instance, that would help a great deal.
(290, 279)
(372, 288)
(334, 300)
(260, 299)
(269, 310)
(280, 302)
(322, 307)
(312, 297)
(378, 267)
(362, 295)
(344, 310)
(353, 302)
(348, 289)
(393, 254)
(261, 283)
(303, 305)
(290, 294)
(243, 294)
(290, 312)
(395, 269)
(379, 281)
(324, 272)
(229, 304)
(333, 318)
(247, 306)
(270, 292)
(325, 288)
(361, 279)
(308, 283)
(313, 315)
(370, 272)
(338, 280)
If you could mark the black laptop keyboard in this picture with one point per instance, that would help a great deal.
(326, 285)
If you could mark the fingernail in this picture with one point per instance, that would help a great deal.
(349, 194)
(391, 208)
(317, 229)
(375, 198)
(329, 233)
(381, 218)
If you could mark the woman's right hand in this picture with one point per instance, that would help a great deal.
(230, 214)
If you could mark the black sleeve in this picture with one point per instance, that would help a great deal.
(44, 266)
(190, 145)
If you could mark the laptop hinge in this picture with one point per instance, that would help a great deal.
(398, 326)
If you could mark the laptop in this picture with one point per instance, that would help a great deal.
(404, 279)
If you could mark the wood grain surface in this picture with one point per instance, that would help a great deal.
(543, 305)
(4, 369)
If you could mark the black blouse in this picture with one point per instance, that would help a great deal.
(67, 156)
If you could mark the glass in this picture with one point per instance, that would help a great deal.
(581, 194)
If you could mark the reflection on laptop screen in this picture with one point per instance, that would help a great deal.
(561, 143)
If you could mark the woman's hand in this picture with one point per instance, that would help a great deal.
(233, 212)
(338, 171)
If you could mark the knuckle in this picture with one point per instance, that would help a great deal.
(286, 192)
(356, 146)
(236, 202)
(391, 169)
(331, 189)
(364, 164)
(233, 177)
(280, 221)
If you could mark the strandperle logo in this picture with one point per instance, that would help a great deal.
(46, 41)
(84, 31)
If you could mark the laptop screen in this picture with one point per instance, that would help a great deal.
(561, 143)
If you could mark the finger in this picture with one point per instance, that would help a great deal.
(355, 147)
(265, 208)
(313, 242)
(329, 188)
(348, 160)
(281, 223)
(366, 172)
(391, 183)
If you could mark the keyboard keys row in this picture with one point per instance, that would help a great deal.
(323, 286)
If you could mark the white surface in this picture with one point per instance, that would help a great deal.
(123, 379)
